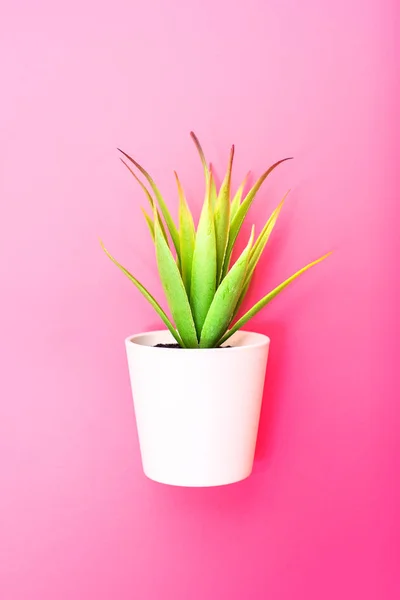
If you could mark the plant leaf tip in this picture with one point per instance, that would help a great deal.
(102, 246)
(323, 257)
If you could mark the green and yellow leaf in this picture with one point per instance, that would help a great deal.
(149, 220)
(213, 190)
(264, 301)
(150, 223)
(262, 240)
(241, 213)
(147, 295)
(173, 231)
(256, 253)
(144, 188)
(237, 199)
(223, 305)
(174, 289)
(222, 216)
(204, 267)
(187, 235)
(201, 154)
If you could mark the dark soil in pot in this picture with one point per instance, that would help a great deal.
(179, 347)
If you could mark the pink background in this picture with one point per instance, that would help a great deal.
(317, 80)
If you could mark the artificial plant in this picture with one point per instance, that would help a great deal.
(204, 290)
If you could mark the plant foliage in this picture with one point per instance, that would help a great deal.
(204, 290)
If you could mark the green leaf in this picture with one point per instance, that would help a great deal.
(264, 301)
(150, 223)
(223, 305)
(241, 213)
(148, 297)
(151, 202)
(258, 249)
(163, 207)
(201, 154)
(187, 235)
(222, 216)
(204, 268)
(213, 190)
(262, 240)
(238, 197)
(174, 289)
(243, 293)
(144, 188)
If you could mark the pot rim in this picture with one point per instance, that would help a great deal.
(260, 340)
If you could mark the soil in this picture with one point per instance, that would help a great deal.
(179, 347)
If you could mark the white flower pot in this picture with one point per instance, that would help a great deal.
(197, 411)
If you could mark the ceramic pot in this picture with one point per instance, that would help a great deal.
(197, 410)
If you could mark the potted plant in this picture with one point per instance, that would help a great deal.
(197, 386)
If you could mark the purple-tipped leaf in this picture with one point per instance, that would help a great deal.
(240, 216)
(163, 207)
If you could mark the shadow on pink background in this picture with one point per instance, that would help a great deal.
(316, 80)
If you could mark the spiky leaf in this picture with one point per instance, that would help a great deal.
(163, 207)
(222, 216)
(150, 223)
(147, 295)
(262, 240)
(144, 188)
(237, 199)
(204, 268)
(256, 253)
(213, 189)
(201, 154)
(243, 209)
(174, 289)
(187, 235)
(149, 220)
(264, 301)
(223, 305)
